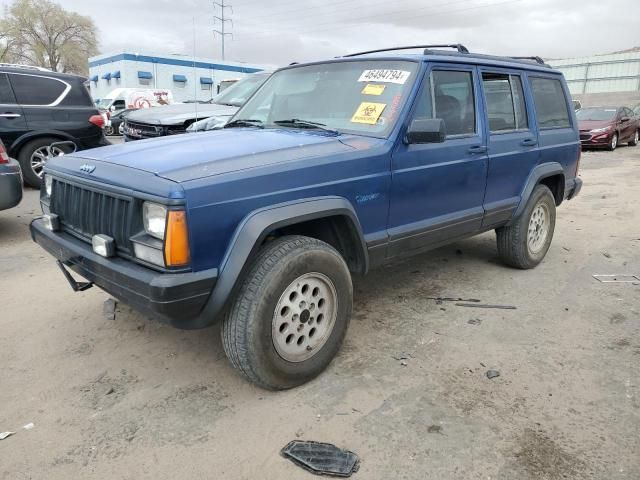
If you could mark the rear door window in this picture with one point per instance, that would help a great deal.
(6, 94)
(33, 90)
(506, 109)
(551, 105)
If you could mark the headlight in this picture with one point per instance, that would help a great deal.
(48, 184)
(154, 217)
(600, 130)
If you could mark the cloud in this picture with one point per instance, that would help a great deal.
(281, 31)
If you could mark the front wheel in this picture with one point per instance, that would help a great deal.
(108, 130)
(613, 143)
(291, 314)
(525, 243)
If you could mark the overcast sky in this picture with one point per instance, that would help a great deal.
(281, 31)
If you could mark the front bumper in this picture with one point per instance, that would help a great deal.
(588, 139)
(10, 185)
(177, 298)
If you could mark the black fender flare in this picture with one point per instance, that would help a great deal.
(27, 137)
(252, 231)
(539, 172)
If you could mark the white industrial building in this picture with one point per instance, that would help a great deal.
(187, 77)
(612, 78)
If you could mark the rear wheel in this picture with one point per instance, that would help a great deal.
(636, 138)
(290, 316)
(33, 157)
(613, 143)
(525, 243)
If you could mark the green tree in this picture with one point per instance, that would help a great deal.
(43, 34)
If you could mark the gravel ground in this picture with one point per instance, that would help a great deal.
(130, 398)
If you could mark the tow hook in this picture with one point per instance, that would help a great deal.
(76, 286)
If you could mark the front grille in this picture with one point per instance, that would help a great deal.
(585, 136)
(143, 130)
(86, 212)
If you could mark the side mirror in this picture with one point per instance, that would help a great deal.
(112, 108)
(624, 119)
(428, 130)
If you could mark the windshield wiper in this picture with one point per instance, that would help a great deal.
(245, 122)
(296, 122)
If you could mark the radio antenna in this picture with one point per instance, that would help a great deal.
(195, 70)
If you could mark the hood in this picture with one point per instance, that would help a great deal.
(593, 124)
(187, 157)
(180, 112)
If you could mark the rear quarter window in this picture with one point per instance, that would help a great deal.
(551, 105)
(78, 96)
(33, 90)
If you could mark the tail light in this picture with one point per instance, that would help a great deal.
(4, 156)
(97, 120)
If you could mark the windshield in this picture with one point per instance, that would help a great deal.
(597, 114)
(362, 97)
(104, 103)
(239, 92)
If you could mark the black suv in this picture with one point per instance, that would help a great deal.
(39, 107)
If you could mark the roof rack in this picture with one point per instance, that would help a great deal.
(533, 59)
(26, 67)
(427, 49)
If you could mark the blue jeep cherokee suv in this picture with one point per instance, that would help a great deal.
(330, 169)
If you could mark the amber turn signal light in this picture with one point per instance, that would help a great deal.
(176, 245)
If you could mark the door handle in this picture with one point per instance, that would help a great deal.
(10, 115)
(477, 149)
(529, 142)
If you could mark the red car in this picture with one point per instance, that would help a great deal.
(608, 127)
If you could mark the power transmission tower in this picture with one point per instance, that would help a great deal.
(222, 18)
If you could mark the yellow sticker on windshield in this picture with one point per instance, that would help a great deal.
(368, 113)
(373, 89)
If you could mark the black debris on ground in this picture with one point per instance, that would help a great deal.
(492, 374)
(474, 321)
(322, 458)
(483, 305)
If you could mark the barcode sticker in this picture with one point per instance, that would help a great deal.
(386, 76)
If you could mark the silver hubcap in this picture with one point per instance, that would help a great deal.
(636, 137)
(304, 317)
(538, 228)
(39, 159)
(614, 141)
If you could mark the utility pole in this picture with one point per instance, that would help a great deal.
(222, 18)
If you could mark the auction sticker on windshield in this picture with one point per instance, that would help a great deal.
(368, 113)
(388, 76)
(373, 89)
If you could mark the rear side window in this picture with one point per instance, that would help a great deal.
(6, 94)
(551, 105)
(32, 90)
(506, 109)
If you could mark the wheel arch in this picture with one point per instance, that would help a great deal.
(299, 217)
(550, 174)
(21, 141)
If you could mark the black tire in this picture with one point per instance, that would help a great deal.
(249, 326)
(514, 245)
(31, 177)
(613, 143)
(636, 137)
(108, 130)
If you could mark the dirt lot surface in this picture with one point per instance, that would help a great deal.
(131, 399)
